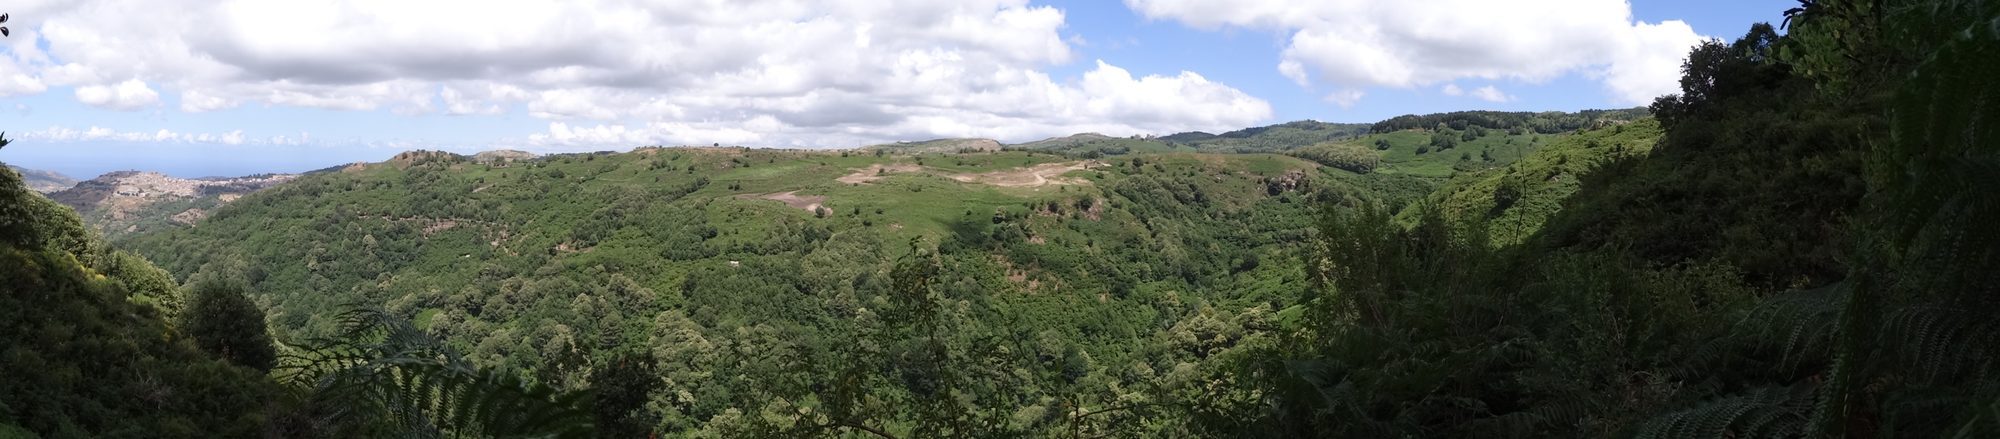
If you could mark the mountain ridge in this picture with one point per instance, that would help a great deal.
(43, 181)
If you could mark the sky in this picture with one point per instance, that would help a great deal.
(234, 87)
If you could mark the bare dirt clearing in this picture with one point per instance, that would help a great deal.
(811, 203)
(1038, 175)
(876, 172)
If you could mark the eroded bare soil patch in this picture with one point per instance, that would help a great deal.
(877, 172)
(1038, 175)
(811, 203)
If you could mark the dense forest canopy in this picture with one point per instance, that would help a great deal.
(1799, 244)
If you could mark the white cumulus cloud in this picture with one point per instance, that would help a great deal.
(620, 72)
(1491, 94)
(1488, 93)
(17, 80)
(1349, 44)
(97, 133)
(129, 95)
(1107, 99)
(1346, 98)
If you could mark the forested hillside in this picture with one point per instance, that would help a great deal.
(1795, 257)
(1078, 280)
(100, 343)
(1798, 244)
(739, 276)
(89, 349)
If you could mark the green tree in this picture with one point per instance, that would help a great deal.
(145, 283)
(1444, 140)
(225, 323)
(621, 390)
(1715, 71)
(1350, 157)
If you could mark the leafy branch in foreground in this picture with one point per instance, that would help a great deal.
(382, 369)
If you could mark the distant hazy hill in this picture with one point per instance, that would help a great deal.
(939, 146)
(43, 181)
(1087, 143)
(131, 201)
(1265, 139)
(1073, 139)
(502, 155)
(1273, 138)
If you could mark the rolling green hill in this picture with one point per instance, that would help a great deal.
(1273, 138)
(553, 267)
(1152, 258)
(1513, 200)
(1095, 145)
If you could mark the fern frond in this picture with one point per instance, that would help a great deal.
(1773, 412)
(1801, 327)
(1543, 419)
(1941, 344)
(382, 368)
(1984, 422)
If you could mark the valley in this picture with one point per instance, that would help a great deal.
(551, 267)
(1795, 242)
